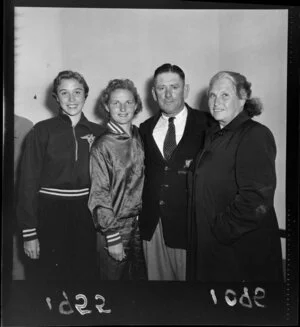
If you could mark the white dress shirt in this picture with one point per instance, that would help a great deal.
(161, 128)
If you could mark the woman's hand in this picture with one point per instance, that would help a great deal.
(32, 248)
(117, 252)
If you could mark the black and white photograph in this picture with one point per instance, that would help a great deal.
(150, 163)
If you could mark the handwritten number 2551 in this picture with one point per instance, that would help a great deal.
(66, 309)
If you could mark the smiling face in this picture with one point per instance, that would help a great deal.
(170, 91)
(71, 97)
(223, 102)
(121, 106)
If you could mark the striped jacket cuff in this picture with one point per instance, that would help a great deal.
(29, 234)
(113, 239)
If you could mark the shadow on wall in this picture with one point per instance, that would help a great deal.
(99, 111)
(150, 104)
(50, 102)
(202, 100)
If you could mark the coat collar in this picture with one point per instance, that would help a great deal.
(83, 120)
(234, 124)
(115, 128)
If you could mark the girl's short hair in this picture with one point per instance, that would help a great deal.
(123, 84)
(69, 74)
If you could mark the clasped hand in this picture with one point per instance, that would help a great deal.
(32, 249)
(117, 252)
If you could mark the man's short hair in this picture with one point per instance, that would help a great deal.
(166, 68)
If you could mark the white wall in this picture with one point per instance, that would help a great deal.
(130, 43)
(38, 58)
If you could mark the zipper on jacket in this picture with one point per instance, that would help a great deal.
(76, 144)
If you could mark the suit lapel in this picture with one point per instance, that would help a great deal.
(184, 142)
(188, 130)
(154, 150)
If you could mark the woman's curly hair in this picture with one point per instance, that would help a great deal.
(253, 106)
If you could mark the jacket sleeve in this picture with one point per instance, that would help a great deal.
(141, 130)
(30, 171)
(100, 199)
(256, 182)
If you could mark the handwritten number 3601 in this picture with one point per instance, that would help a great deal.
(66, 309)
(231, 297)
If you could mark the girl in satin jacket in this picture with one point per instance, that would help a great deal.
(117, 175)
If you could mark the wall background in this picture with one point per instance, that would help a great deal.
(103, 44)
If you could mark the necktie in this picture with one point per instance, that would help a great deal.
(170, 140)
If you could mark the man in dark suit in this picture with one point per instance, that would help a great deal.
(171, 139)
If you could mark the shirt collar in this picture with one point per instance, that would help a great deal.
(180, 116)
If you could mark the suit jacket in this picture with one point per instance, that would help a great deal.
(165, 188)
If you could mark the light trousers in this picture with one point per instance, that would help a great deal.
(164, 263)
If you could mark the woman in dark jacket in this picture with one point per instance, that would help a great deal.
(234, 234)
(57, 227)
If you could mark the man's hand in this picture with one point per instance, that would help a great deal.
(117, 252)
(32, 248)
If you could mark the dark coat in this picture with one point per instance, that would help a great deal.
(165, 187)
(233, 232)
(55, 156)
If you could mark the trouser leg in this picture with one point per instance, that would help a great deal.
(67, 240)
(163, 262)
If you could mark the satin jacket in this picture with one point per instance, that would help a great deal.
(117, 175)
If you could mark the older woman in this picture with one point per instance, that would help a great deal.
(58, 231)
(234, 234)
(117, 174)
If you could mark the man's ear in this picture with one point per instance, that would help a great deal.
(154, 94)
(186, 90)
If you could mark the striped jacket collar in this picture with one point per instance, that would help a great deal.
(115, 128)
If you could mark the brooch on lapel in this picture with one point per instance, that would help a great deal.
(90, 138)
(187, 163)
(186, 166)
